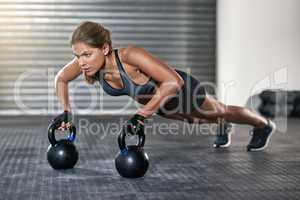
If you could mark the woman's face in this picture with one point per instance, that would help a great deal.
(90, 59)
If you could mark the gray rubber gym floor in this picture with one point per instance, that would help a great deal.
(183, 163)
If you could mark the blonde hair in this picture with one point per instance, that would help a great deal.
(94, 35)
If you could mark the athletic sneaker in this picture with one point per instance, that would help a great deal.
(261, 137)
(223, 137)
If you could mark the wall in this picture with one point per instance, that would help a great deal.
(34, 45)
(258, 45)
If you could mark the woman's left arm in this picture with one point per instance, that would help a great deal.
(168, 79)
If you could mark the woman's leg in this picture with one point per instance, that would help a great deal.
(263, 128)
(187, 118)
(213, 110)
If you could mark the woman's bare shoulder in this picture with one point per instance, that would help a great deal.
(70, 71)
(125, 51)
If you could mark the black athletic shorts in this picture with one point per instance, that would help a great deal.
(187, 99)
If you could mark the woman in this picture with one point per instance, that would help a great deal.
(161, 89)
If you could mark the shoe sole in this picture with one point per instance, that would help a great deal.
(224, 145)
(267, 142)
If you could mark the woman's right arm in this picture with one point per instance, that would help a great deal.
(68, 73)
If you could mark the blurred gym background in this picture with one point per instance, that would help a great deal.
(34, 39)
(238, 47)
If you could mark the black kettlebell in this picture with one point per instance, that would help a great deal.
(62, 154)
(131, 161)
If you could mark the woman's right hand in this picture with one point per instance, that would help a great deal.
(62, 120)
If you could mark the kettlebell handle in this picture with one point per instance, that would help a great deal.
(51, 133)
(122, 136)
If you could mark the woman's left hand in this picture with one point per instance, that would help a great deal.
(135, 124)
